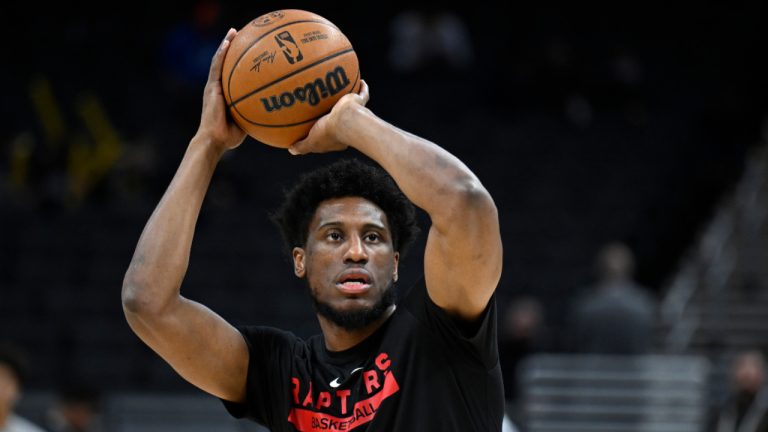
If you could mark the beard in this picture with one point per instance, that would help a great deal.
(356, 319)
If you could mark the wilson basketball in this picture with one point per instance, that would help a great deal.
(283, 71)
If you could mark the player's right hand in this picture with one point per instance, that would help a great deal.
(325, 135)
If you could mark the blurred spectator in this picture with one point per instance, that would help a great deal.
(78, 409)
(746, 407)
(522, 334)
(188, 47)
(12, 368)
(616, 316)
(420, 39)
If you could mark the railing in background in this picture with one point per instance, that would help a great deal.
(718, 260)
(592, 393)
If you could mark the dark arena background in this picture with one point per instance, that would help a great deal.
(636, 123)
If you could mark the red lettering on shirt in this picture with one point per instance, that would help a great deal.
(308, 399)
(343, 395)
(364, 411)
(295, 383)
(323, 401)
(371, 379)
(383, 361)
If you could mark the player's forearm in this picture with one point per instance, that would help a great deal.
(160, 261)
(430, 177)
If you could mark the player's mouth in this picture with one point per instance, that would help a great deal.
(354, 281)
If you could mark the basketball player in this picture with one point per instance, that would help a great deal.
(427, 363)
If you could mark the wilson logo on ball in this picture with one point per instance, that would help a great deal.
(312, 92)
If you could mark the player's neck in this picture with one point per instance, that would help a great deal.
(340, 339)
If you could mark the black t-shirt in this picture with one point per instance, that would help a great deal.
(420, 371)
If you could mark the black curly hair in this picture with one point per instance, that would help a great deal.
(343, 178)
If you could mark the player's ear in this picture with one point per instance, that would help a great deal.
(397, 260)
(298, 262)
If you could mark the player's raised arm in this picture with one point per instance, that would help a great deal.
(463, 257)
(200, 345)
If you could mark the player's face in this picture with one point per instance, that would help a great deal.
(349, 261)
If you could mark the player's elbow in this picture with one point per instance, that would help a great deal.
(470, 199)
(468, 211)
(138, 299)
(133, 301)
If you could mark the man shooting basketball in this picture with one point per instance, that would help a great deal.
(427, 363)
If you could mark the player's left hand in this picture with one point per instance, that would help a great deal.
(324, 135)
(215, 129)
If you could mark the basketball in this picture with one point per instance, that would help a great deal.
(283, 71)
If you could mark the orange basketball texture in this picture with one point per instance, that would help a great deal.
(283, 71)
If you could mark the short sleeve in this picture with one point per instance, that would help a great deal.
(477, 340)
(271, 353)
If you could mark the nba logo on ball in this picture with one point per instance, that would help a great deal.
(288, 46)
(276, 98)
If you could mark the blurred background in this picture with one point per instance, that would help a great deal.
(624, 146)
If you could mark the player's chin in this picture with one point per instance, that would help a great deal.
(354, 304)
